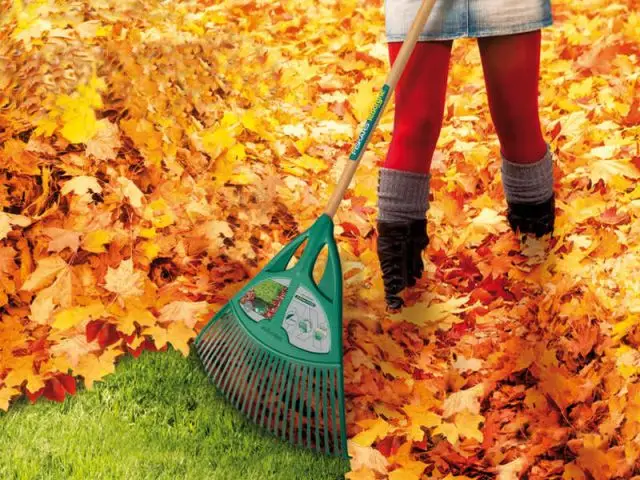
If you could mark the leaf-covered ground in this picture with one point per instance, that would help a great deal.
(154, 155)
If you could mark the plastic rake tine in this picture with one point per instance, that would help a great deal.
(234, 359)
(225, 356)
(324, 410)
(244, 374)
(335, 413)
(267, 394)
(294, 399)
(269, 368)
(211, 349)
(281, 390)
(218, 354)
(287, 408)
(253, 381)
(211, 341)
(283, 401)
(234, 383)
(309, 400)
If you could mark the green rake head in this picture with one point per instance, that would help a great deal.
(275, 350)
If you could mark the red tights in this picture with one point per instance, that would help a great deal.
(511, 67)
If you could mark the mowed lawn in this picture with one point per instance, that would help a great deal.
(157, 417)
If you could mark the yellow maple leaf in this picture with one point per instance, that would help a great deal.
(628, 361)
(6, 394)
(620, 329)
(8, 221)
(448, 431)
(150, 250)
(419, 314)
(79, 123)
(420, 417)
(127, 323)
(236, 153)
(363, 473)
(95, 241)
(215, 141)
(410, 470)
(467, 425)
(71, 317)
(95, 367)
(374, 429)
(22, 369)
(160, 335)
(162, 221)
(307, 162)
(581, 89)
(147, 233)
(179, 335)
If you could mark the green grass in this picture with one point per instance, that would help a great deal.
(157, 417)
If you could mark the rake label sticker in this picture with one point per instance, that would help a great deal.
(263, 301)
(306, 323)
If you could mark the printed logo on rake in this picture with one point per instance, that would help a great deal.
(368, 126)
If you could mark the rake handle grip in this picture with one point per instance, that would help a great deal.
(387, 89)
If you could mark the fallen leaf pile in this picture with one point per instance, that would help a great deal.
(154, 155)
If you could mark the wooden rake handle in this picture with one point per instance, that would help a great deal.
(379, 106)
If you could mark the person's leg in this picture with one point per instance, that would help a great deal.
(403, 189)
(511, 66)
(419, 106)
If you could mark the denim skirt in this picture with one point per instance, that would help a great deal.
(451, 19)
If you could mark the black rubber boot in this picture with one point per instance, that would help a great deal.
(535, 219)
(418, 242)
(400, 246)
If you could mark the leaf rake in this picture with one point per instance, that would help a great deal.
(275, 349)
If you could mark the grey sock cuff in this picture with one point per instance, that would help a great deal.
(402, 195)
(528, 183)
